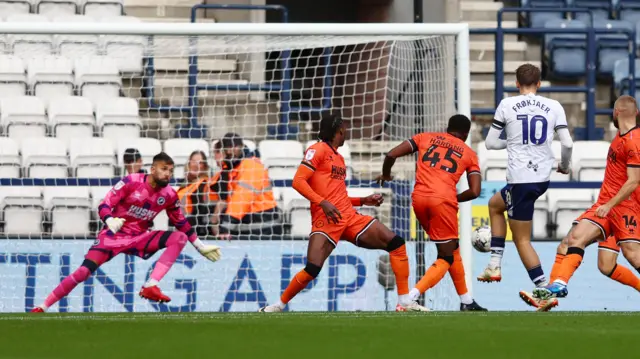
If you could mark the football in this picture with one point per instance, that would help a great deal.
(481, 239)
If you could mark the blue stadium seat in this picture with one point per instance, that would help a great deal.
(600, 9)
(566, 53)
(538, 19)
(621, 76)
(611, 47)
(628, 10)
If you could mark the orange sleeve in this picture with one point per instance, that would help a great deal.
(356, 201)
(301, 184)
(415, 141)
(473, 167)
(632, 147)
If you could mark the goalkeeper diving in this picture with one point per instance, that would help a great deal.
(127, 211)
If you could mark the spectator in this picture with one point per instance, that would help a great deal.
(195, 195)
(247, 204)
(132, 161)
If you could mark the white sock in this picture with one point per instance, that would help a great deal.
(496, 260)
(281, 305)
(43, 306)
(404, 299)
(150, 283)
(542, 284)
(466, 298)
(414, 294)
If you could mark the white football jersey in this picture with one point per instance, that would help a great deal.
(530, 122)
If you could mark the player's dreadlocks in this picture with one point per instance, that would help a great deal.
(329, 125)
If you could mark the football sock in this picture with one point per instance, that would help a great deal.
(66, 286)
(625, 276)
(400, 266)
(556, 267)
(297, 284)
(175, 244)
(497, 248)
(456, 271)
(570, 264)
(433, 275)
(537, 276)
(466, 298)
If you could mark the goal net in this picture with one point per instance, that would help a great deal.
(83, 104)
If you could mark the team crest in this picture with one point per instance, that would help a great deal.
(160, 201)
(310, 154)
(96, 242)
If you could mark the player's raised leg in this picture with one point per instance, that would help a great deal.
(497, 207)
(174, 243)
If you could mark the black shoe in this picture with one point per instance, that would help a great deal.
(473, 307)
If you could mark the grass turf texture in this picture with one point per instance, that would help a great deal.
(494, 335)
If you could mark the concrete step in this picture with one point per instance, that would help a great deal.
(484, 11)
(173, 19)
(486, 50)
(508, 78)
(492, 25)
(173, 90)
(488, 67)
(482, 94)
(161, 11)
(204, 65)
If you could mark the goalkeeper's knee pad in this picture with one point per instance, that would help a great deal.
(312, 270)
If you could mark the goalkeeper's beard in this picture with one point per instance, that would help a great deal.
(161, 183)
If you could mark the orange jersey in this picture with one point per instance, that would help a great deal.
(328, 178)
(624, 152)
(442, 159)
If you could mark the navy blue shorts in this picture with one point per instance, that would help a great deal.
(521, 197)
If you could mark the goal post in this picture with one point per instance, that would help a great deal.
(262, 81)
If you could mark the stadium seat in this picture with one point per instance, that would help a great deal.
(297, 212)
(11, 7)
(97, 77)
(13, 77)
(538, 19)
(628, 10)
(599, 9)
(44, 157)
(566, 52)
(612, 47)
(281, 158)
(621, 79)
(118, 118)
(23, 116)
(92, 157)
(68, 209)
(493, 163)
(97, 195)
(127, 51)
(541, 218)
(27, 46)
(148, 148)
(556, 147)
(71, 117)
(53, 8)
(21, 210)
(180, 149)
(565, 206)
(9, 158)
(102, 8)
(590, 160)
(50, 77)
(345, 151)
(73, 46)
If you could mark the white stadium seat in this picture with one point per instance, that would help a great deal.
(23, 116)
(13, 77)
(68, 209)
(493, 163)
(127, 51)
(97, 195)
(50, 77)
(73, 46)
(590, 160)
(118, 117)
(53, 8)
(180, 149)
(148, 148)
(14, 7)
(102, 8)
(363, 192)
(44, 157)
(566, 205)
(97, 77)
(281, 158)
(9, 158)
(71, 117)
(21, 210)
(28, 46)
(92, 157)
(556, 176)
(297, 211)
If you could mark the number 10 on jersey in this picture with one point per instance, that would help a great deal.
(529, 126)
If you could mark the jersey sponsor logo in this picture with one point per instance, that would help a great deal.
(141, 213)
(310, 154)
(160, 201)
(532, 166)
(339, 173)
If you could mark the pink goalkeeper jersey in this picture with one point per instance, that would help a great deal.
(134, 200)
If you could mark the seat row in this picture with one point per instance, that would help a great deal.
(93, 8)
(72, 211)
(628, 10)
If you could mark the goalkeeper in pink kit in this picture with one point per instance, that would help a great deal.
(127, 211)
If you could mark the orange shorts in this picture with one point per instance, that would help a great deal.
(437, 216)
(349, 228)
(620, 223)
(610, 244)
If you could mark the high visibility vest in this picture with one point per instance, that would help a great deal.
(194, 194)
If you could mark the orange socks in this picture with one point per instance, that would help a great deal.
(456, 271)
(400, 266)
(556, 267)
(434, 275)
(623, 275)
(570, 264)
(297, 284)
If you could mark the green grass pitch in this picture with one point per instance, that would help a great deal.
(518, 335)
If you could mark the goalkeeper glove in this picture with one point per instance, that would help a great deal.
(114, 224)
(210, 252)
